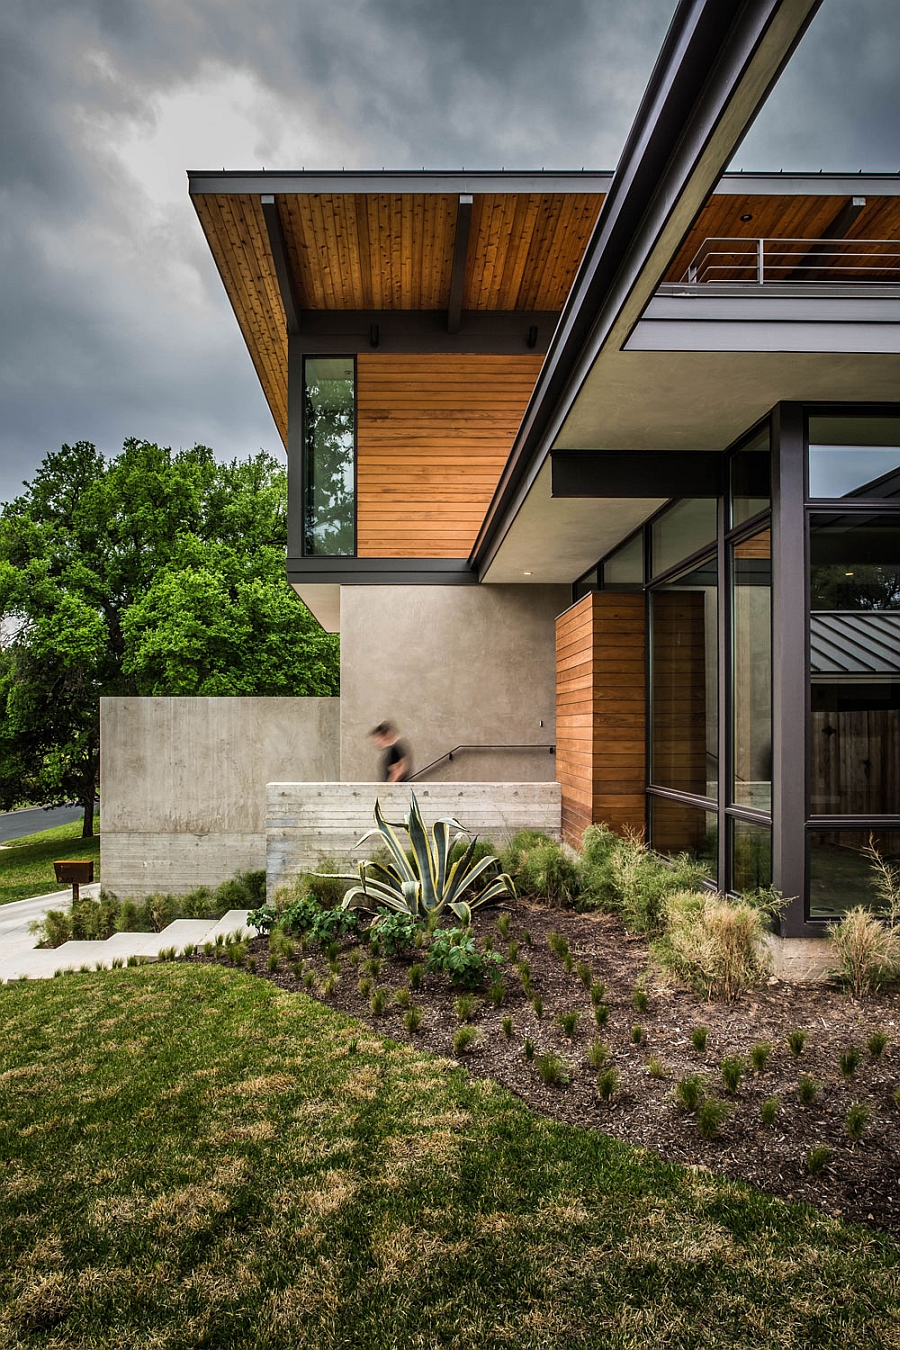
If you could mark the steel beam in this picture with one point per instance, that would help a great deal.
(460, 254)
(637, 473)
(289, 298)
(505, 333)
(838, 229)
(380, 571)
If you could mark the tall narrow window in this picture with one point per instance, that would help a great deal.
(751, 671)
(684, 671)
(329, 435)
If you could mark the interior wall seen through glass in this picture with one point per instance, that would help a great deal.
(854, 638)
(854, 457)
(841, 871)
(751, 671)
(676, 827)
(684, 682)
(624, 569)
(751, 855)
(750, 474)
(683, 530)
(329, 423)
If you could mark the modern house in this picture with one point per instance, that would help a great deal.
(607, 464)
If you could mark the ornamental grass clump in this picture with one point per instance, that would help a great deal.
(545, 870)
(699, 1037)
(528, 1048)
(558, 945)
(607, 1084)
(598, 1053)
(808, 1088)
(496, 993)
(732, 1070)
(584, 974)
(711, 1115)
(817, 1159)
(597, 993)
(412, 1019)
(769, 1110)
(402, 997)
(689, 1091)
(502, 925)
(867, 952)
(506, 1026)
(877, 1043)
(655, 1068)
(601, 1014)
(537, 1004)
(552, 1069)
(637, 1034)
(715, 946)
(464, 1007)
(640, 999)
(377, 1002)
(569, 1021)
(856, 1120)
(848, 1060)
(759, 1055)
(464, 1037)
(416, 971)
(796, 1040)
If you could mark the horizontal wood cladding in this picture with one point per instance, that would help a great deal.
(237, 237)
(778, 217)
(600, 712)
(433, 434)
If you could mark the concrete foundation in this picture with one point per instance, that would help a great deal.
(451, 665)
(183, 783)
(800, 960)
(308, 821)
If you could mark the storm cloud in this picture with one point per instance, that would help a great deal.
(115, 321)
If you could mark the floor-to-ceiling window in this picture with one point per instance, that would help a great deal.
(329, 456)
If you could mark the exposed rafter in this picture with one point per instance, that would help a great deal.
(277, 244)
(458, 268)
(838, 229)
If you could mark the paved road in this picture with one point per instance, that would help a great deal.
(14, 824)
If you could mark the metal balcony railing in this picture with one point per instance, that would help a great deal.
(765, 261)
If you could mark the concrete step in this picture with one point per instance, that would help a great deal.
(232, 924)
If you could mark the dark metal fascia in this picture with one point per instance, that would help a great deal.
(381, 571)
(449, 181)
(637, 473)
(704, 59)
(482, 332)
(289, 297)
(458, 266)
(738, 182)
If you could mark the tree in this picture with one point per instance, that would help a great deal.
(154, 573)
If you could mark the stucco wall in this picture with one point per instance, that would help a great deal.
(451, 665)
(183, 783)
(308, 821)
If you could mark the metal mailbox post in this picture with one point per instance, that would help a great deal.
(76, 871)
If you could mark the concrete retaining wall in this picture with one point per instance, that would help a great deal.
(183, 783)
(801, 960)
(306, 821)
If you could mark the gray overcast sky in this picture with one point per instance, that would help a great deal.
(114, 320)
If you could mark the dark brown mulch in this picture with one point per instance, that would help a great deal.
(861, 1182)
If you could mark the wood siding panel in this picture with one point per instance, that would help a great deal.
(600, 712)
(433, 434)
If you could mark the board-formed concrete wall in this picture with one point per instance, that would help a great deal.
(183, 783)
(451, 665)
(308, 821)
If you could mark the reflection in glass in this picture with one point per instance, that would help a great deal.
(752, 671)
(678, 828)
(586, 584)
(751, 478)
(329, 426)
(751, 856)
(855, 665)
(841, 874)
(684, 749)
(854, 457)
(624, 569)
(684, 529)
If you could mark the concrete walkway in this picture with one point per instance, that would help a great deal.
(20, 959)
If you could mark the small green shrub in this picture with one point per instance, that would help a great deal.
(464, 1007)
(689, 1091)
(402, 997)
(769, 1110)
(808, 1088)
(395, 933)
(711, 1115)
(464, 1037)
(552, 1069)
(597, 891)
(796, 1040)
(528, 1049)
(523, 970)
(453, 952)
(273, 962)
(526, 937)
(309, 980)
(848, 1060)
(877, 1043)
(656, 1068)
(637, 1034)
(558, 945)
(759, 1055)
(641, 883)
(329, 986)
(716, 946)
(416, 972)
(867, 952)
(732, 1070)
(263, 918)
(817, 1159)
(541, 867)
(699, 1037)
(502, 925)
(568, 963)
(597, 992)
(607, 1084)
(496, 993)
(856, 1120)
(640, 999)
(569, 1021)
(584, 974)
(601, 1014)
(377, 1002)
(598, 1053)
(412, 1019)
(365, 985)
(537, 1004)
(506, 1026)
(512, 953)
(373, 966)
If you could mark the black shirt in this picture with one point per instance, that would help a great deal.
(393, 755)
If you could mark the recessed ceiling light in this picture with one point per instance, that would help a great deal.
(527, 574)
(747, 216)
(848, 574)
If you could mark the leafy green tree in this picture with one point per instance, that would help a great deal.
(153, 573)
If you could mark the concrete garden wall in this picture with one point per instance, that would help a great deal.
(308, 821)
(183, 783)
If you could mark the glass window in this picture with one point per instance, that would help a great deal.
(841, 871)
(684, 529)
(854, 457)
(750, 472)
(684, 683)
(329, 428)
(676, 828)
(751, 676)
(751, 856)
(854, 642)
(624, 569)
(586, 584)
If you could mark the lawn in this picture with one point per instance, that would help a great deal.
(26, 865)
(194, 1157)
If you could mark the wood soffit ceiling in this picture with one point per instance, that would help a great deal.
(394, 251)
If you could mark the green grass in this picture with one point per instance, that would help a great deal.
(26, 865)
(274, 1174)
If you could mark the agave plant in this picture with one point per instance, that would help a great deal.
(425, 882)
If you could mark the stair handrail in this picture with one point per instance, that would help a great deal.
(448, 755)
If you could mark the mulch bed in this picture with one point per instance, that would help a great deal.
(861, 1182)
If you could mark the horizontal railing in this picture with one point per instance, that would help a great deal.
(460, 749)
(764, 261)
